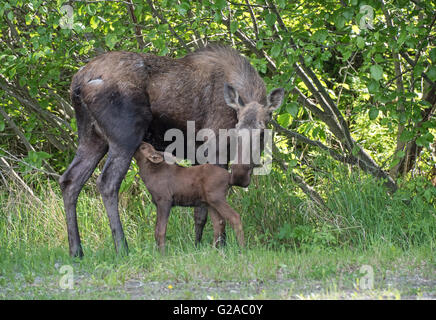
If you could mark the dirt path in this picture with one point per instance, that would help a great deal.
(85, 287)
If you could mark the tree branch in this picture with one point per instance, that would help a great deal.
(253, 19)
(400, 89)
(138, 33)
(307, 189)
(15, 176)
(318, 144)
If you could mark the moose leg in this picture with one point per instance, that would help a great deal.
(89, 153)
(163, 213)
(123, 118)
(218, 223)
(109, 183)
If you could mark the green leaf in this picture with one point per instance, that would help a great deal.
(28, 19)
(292, 163)
(270, 19)
(360, 42)
(43, 155)
(111, 40)
(91, 9)
(431, 73)
(183, 8)
(422, 141)
(217, 17)
(320, 35)
(292, 108)
(406, 135)
(428, 194)
(275, 50)
(220, 4)
(307, 60)
(418, 70)
(2, 125)
(402, 37)
(373, 113)
(281, 3)
(339, 21)
(10, 15)
(283, 119)
(233, 26)
(400, 154)
(429, 137)
(94, 22)
(394, 162)
(376, 72)
(373, 86)
(433, 55)
(348, 13)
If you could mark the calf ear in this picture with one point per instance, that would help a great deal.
(275, 99)
(232, 98)
(155, 157)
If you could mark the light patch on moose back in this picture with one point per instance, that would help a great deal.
(95, 81)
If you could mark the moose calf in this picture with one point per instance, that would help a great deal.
(173, 185)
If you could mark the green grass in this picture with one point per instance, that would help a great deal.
(294, 250)
(204, 273)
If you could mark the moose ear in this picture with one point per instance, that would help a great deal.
(155, 157)
(275, 99)
(232, 98)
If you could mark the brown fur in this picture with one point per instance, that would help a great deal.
(123, 98)
(173, 185)
(178, 90)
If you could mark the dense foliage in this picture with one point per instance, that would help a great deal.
(360, 76)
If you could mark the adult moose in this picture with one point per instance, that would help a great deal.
(124, 98)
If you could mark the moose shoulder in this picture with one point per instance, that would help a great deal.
(123, 98)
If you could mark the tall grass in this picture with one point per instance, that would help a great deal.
(274, 212)
(287, 238)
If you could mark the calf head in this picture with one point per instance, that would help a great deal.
(146, 153)
(241, 175)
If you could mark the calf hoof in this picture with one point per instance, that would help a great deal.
(221, 242)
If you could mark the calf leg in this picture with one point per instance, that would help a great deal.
(163, 213)
(219, 226)
(200, 219)
(89, 153)
(227, 212)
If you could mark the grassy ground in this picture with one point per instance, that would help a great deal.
(294, 251)
(207, 273)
